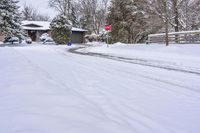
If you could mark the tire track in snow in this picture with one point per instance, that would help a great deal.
(144, 63)
(149, 63)
(74, 50)
(127, 120)
(91, 104)
(144, 121)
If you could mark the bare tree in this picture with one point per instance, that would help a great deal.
(94, 12)
(41, 17)
(175, 19)
(67, 8)
(105, 9)
(193, 14)
(30, 13)
(90, 14)
(62, 6)
(166, 19)
(161, 9)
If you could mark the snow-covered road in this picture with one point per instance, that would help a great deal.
(46, 89)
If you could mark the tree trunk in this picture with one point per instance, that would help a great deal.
(166, 23)
(166, 32)
(176, 21)
(186, 14)
(186, 20)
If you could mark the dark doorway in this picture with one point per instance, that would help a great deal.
(32, 35)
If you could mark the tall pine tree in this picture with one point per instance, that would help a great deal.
(127, 19)
(10, 19)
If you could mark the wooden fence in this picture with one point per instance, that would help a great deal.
(176, 37)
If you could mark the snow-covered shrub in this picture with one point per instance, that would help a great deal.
(28, 40)
(11, 40)
(44, 36)
(105, 36)
(48, 40)
(92, 38)
(61, 29)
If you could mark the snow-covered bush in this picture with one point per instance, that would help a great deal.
(61, 29)
(92, 38)
(105, 36)
(28, 40)
(48, 40)
(44, 36)
(11, 40)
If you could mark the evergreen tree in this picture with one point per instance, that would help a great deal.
(10, 19)
(61, 29)
(127, 19)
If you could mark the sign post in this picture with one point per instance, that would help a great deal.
(107, 28)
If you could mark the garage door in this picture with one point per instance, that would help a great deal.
(77, 37)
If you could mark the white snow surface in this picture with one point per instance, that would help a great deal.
(46, 89)
(180, 55)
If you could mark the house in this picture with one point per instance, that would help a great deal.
(36, 28)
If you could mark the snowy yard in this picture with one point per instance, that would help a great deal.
(182, 56)
(46, 89)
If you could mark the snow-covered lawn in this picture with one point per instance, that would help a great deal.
(185, 55)
(46, 89)
(149, 51)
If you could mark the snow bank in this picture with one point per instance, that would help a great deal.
(95, 43)
(179, 54)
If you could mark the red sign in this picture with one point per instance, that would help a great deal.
(107, 27)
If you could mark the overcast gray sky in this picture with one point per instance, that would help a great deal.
(40, 5)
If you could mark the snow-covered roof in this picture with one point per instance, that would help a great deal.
(34, 28)
(43, 25)
(78, 29)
